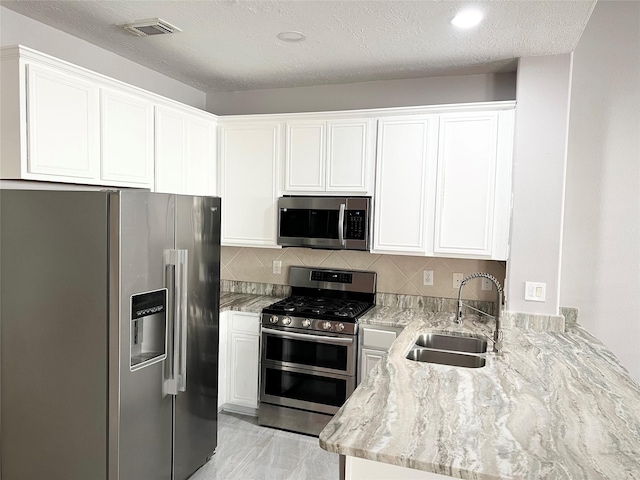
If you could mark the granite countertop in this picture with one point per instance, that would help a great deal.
(554, 405)
(245, 302)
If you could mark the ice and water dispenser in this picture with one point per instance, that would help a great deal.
(148, 328)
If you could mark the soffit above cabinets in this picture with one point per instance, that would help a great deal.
(228, 45)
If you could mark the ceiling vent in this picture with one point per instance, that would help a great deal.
(151, 26)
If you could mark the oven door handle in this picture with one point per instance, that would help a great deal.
(304, 336)
(341, 224)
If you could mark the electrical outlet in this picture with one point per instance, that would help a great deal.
(486, 284)
(427, 277)
(277, 267)
(535, 291)
(457, 279)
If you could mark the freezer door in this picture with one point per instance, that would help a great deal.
(142, 230)
(54, 336)
(198, 232)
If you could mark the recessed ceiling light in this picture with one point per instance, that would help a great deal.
(467, 18)
(291, 36)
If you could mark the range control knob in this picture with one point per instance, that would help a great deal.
(326, 325)
(274, 319)
(286, 321)
(306, 322)
(340, 327)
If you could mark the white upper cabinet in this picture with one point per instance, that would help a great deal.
(443, 183)
(474, 184)
(249, 159)
(305, 156)
(127, 138)
(200, 139)
(185, 152)
(406, 162)
(63, 125)
(330, 156)
(350, 155)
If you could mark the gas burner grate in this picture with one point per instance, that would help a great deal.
(327, 307)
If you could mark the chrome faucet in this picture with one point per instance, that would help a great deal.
(497, 334)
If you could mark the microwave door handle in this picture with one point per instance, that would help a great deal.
(341, 224)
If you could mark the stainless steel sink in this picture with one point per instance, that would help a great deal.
(446, 358)
(455, 350)
(452, 343)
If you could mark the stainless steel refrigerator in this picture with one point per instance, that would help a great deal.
(109, 334)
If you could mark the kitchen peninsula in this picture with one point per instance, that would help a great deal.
(554, 405)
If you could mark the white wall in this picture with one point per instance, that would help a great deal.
(378, 94)
(601, 249)
(542, 114)
(18, 29)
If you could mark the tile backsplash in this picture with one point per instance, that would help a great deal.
(399, 274)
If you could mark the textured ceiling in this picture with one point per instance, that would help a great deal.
(231, 44)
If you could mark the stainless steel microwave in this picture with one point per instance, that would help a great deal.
(324, 222)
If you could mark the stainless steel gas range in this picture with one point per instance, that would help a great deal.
(309, 347)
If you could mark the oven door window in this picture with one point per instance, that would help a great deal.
(303, 389)
(315, 354)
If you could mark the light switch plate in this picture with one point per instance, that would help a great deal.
(457, 279)
(535, 291)
(486, 284)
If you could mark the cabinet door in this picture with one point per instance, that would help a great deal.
(305, 157)
(249, 156)
(244, 369)
(63, 124)
(350, 155)
(223, 358)
(127, 139)
(405, 169)
(170, 151)
(200, 156)
(466, 185)
(368, 359)
(185, 153)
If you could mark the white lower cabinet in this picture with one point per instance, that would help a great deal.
(363, 469)
(239, 361)
(375, 342)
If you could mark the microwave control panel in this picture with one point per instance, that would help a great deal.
(356, 224)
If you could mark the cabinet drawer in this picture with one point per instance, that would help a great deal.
(245, 322)
(375, 338)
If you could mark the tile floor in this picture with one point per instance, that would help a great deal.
(247, 451)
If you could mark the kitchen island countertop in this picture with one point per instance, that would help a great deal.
(554, 405)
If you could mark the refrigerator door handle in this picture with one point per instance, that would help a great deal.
(178, 381)
(181, 294)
